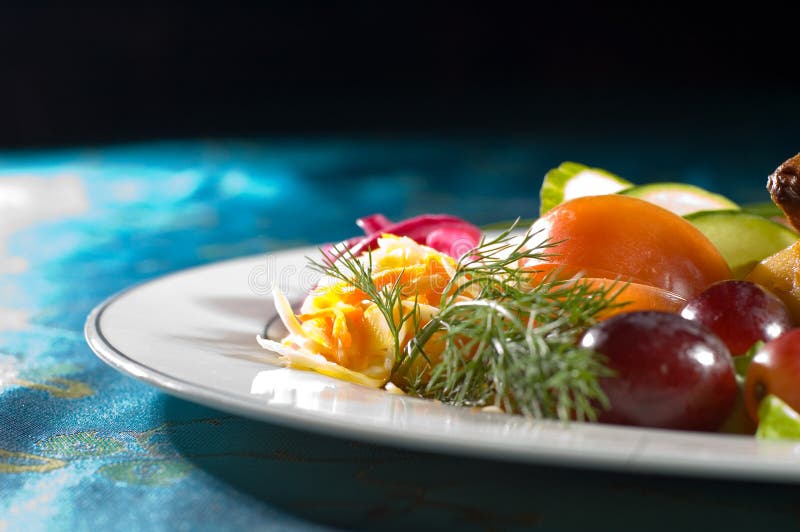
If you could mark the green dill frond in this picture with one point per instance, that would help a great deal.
(515, 345)
(506, 335)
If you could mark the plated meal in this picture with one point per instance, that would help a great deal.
(660, 305)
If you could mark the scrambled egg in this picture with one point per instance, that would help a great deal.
(341, 333)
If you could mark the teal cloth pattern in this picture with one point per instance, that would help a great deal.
(85, 448)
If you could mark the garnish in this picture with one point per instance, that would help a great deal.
(505, 334)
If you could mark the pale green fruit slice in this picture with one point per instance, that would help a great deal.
(778, 420)
(680, 198)
(574, 180)
(742, 238)
(767, 209)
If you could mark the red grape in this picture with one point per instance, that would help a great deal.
(775, 369)
(670, 372)
(740, 313)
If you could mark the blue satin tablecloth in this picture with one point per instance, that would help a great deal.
(83, 447)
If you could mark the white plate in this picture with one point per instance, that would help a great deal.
(193, 334)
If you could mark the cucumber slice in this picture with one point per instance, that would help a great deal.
(680, 198)
(742, 238)
(766, 209)
(574, 180)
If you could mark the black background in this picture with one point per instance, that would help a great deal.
(84, 75)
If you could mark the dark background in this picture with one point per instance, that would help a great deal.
(83, 75)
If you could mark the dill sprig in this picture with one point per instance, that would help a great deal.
(514, 345)
(506, 335)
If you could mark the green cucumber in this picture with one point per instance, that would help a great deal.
(574, 180)
(680, 198)
(766, 209)
(743, 239)
(777, 420)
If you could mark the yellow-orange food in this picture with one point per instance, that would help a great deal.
(780, 273)
(634, 296)
(341, 324)
(632, 240)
